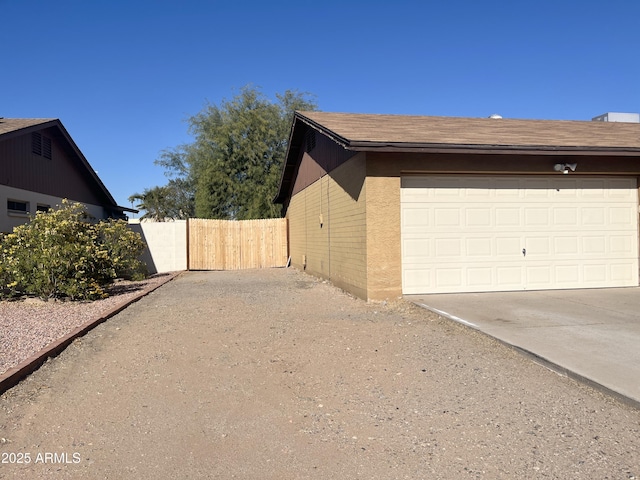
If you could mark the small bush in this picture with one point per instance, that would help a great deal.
(123, 246)
(60, 254)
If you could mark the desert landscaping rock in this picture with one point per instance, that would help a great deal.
(273, 374)
(29, 325)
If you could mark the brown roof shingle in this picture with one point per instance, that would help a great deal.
(8, 125)
(358, 131)
(410, 133)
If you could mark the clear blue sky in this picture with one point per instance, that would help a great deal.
(123, 76)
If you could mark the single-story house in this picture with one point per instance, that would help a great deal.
(386, 205)
(40, 165)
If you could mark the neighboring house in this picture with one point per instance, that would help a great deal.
(39, 166)
(385, 205)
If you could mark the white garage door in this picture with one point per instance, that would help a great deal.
(481, 234)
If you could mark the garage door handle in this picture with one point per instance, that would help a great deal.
(524, 252)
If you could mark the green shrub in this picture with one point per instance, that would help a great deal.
(60, 254)
(123, 247)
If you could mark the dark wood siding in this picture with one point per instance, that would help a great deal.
(320, 155)
(59, 176)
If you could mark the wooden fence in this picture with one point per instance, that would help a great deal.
(236, 245)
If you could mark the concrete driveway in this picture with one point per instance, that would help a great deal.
(592, 335)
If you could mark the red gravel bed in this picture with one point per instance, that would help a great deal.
(29, 325)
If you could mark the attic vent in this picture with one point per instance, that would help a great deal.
(41, 145)
(310, 141)
(36, 143)
(46, 147)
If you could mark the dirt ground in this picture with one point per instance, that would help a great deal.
(273, 374)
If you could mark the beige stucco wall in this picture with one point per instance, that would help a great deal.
(384, 258)
(308, 239)
(296, 215)
(348, 226)
(166, 244)
(327, 227)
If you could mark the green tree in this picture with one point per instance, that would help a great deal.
(232, 169)
(168, 202)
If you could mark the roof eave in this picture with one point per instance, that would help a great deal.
(301, 123)
(42, 123)
(87, 165)
(290, 165)
(360, 146)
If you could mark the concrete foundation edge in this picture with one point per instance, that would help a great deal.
(554, 367)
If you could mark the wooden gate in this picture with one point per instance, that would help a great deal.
(236, 245)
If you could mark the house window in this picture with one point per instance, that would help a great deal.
(41, 145)
(18, 206)
(41, 207)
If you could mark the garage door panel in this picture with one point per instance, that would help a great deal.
(448, 247)
(468, 233)
(620, 216)
(538, 276)
(418, 251)
(622, 188)
(480, 277)
(567, 216)
(537, 246)
(594, 216)
(622, 272)
(536, 190)
(506, 187)
(509, 277)
(537, 217)
(622, 245)
(415, 219)
(567, 276)
(595, 245)
(509, 247)
(566, 245)
(595, 274)
(449, 277)
(417, 281)
(508, 217)
(446, 217)
(478, 217)
(565, 189)
(479, 186)
(595, 187)
(479, 247)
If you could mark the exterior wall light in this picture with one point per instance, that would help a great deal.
(565, 167)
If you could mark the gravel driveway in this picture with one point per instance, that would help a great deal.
(273, 374)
